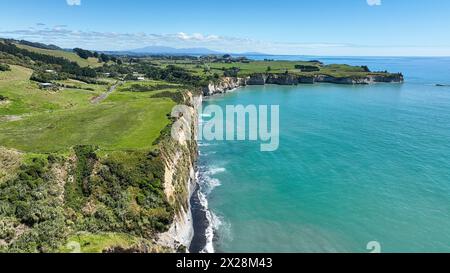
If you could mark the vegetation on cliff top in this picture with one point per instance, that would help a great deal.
(52, 197)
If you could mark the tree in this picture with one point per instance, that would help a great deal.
(307, 68)
(4, 67)
(232, 72)
(104, 58)
(57, 63)
(85, 54)
(365, 68)
(269, 69)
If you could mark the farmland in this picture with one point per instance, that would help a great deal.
(71, 56)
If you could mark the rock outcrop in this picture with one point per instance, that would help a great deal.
(224, 85)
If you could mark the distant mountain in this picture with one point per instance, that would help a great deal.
(175, 51)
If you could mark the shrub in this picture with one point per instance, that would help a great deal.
(307, 68)
(44, 77)
(147, 88)
(175, 96)
(84, 54)
(4, 67)
(231, 72)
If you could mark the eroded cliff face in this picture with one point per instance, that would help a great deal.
(369, 79)
(226, 84)
(179, 156)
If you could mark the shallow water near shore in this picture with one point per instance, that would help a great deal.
(355, 164)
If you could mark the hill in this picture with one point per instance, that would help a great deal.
(71, 56)
(174, 51)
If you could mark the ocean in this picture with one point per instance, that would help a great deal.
(356, 165)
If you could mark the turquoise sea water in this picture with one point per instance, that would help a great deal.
(355, 164)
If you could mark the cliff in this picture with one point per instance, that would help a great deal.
(228, 83)
(223, 85)
(179, 156)
(118, 201)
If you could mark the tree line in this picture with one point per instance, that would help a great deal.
(58, 63)
(102, 57)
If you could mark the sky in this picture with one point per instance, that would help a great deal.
(291, 27)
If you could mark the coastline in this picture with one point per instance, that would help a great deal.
(202, 241)
(228, 84)
(202, 219)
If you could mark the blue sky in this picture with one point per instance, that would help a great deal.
(319, 27)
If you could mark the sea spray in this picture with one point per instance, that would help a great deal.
(209, 222)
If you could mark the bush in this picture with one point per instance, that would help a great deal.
(231, 72)
(147, 88)
(365, 68)
(175, 96)
(122, 193)
(4, 67)
(84, 54)
(307, 68)
(45, 77)
(30, 203)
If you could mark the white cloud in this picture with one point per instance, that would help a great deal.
(374, 2)
(196, 37)
(73, 2)
(65, 37)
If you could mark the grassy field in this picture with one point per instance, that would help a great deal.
(93, 62)
(112, 126)
(25, 97)
(146, 86)
(54, 121)
(252, 67)
(96, 243)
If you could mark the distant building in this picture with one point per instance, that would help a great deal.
(141, 78)
(46, 85)
(50, 71)
(107, 75)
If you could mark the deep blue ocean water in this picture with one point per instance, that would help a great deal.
(356, 164)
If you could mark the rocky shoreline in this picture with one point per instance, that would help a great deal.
(229, 83)
(188, 229)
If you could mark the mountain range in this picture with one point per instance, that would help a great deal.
(171, 50)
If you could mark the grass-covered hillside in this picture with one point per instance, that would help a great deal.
(76, 169)
(71, 56)
(218, 66)
(38, 120)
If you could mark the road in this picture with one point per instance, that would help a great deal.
(103, 96)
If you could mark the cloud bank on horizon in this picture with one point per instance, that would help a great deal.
(94, 40)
